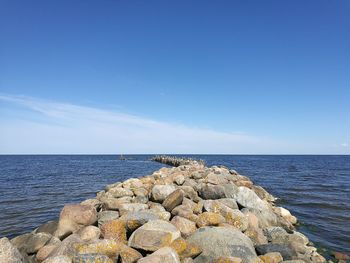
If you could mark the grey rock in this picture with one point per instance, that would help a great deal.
(105, 216)
(133, 207)
(153, 235)
(276, 234)
(229, 202)
(248, 198)
(285, 251)
(49, 227)
(212, 192)
(160, 192)
(220, 241)
(37, 241)
(9, 253)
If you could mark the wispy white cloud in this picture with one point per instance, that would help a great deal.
(345, 145)
(69, 128)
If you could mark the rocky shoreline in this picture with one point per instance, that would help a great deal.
(188, 213)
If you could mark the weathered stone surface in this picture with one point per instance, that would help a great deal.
(114, 229)
(276, 234)
(256, 235)
(162, 255)
(266, 218)
(105, 216)
(132, 183)
(91, 258)
(271, 257)
(229, 202)
(37, 241)
(190, 193)
(73, 217)
(209, 219)
(120, 192)
(154, 235)
(114, 203)
(185, 249)
(136, 219)
(89, 233)
(184, 211)
(160, 192)
(212, 192)
(186, 227)
(133, 207)
(248, 198)
(219, 241)
(49, 227)
(80, 214)
(173, 200)
(108, 247)
(94, 202)
(237, 219)
(66, 246)
(9, 253)
(285, 251)
(58, 259)
(44, 252)
(129, 255)
(20, 242)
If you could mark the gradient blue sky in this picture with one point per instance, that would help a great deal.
(175, 76)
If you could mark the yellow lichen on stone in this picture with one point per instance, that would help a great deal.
(106, 247)
(185, 249)
(272, 257)
(234, 221)
(209, 219)
(114, 229)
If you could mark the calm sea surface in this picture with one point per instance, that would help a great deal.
(316, 189)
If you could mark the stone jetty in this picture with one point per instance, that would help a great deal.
(188, 213)
(176, 161)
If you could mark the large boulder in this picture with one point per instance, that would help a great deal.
(186, 227)
(173, 200)
(115, 229)
(37, 241)
(136, 219)
(219, 241)
(163, 255)
(73, 217)
(9, 253)
(160, 192)
(133, 207)
(286, 252)
(154, 235)
(89, 233)
(248, 198)
(212, 192)
(49, 227)
(80, 214)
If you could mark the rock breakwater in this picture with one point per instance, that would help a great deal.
(188, 213)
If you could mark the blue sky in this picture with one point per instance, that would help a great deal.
(175, 77)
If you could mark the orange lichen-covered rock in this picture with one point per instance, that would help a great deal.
(209, 219)
(114, 229)
(185, 249)
(272, 257)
